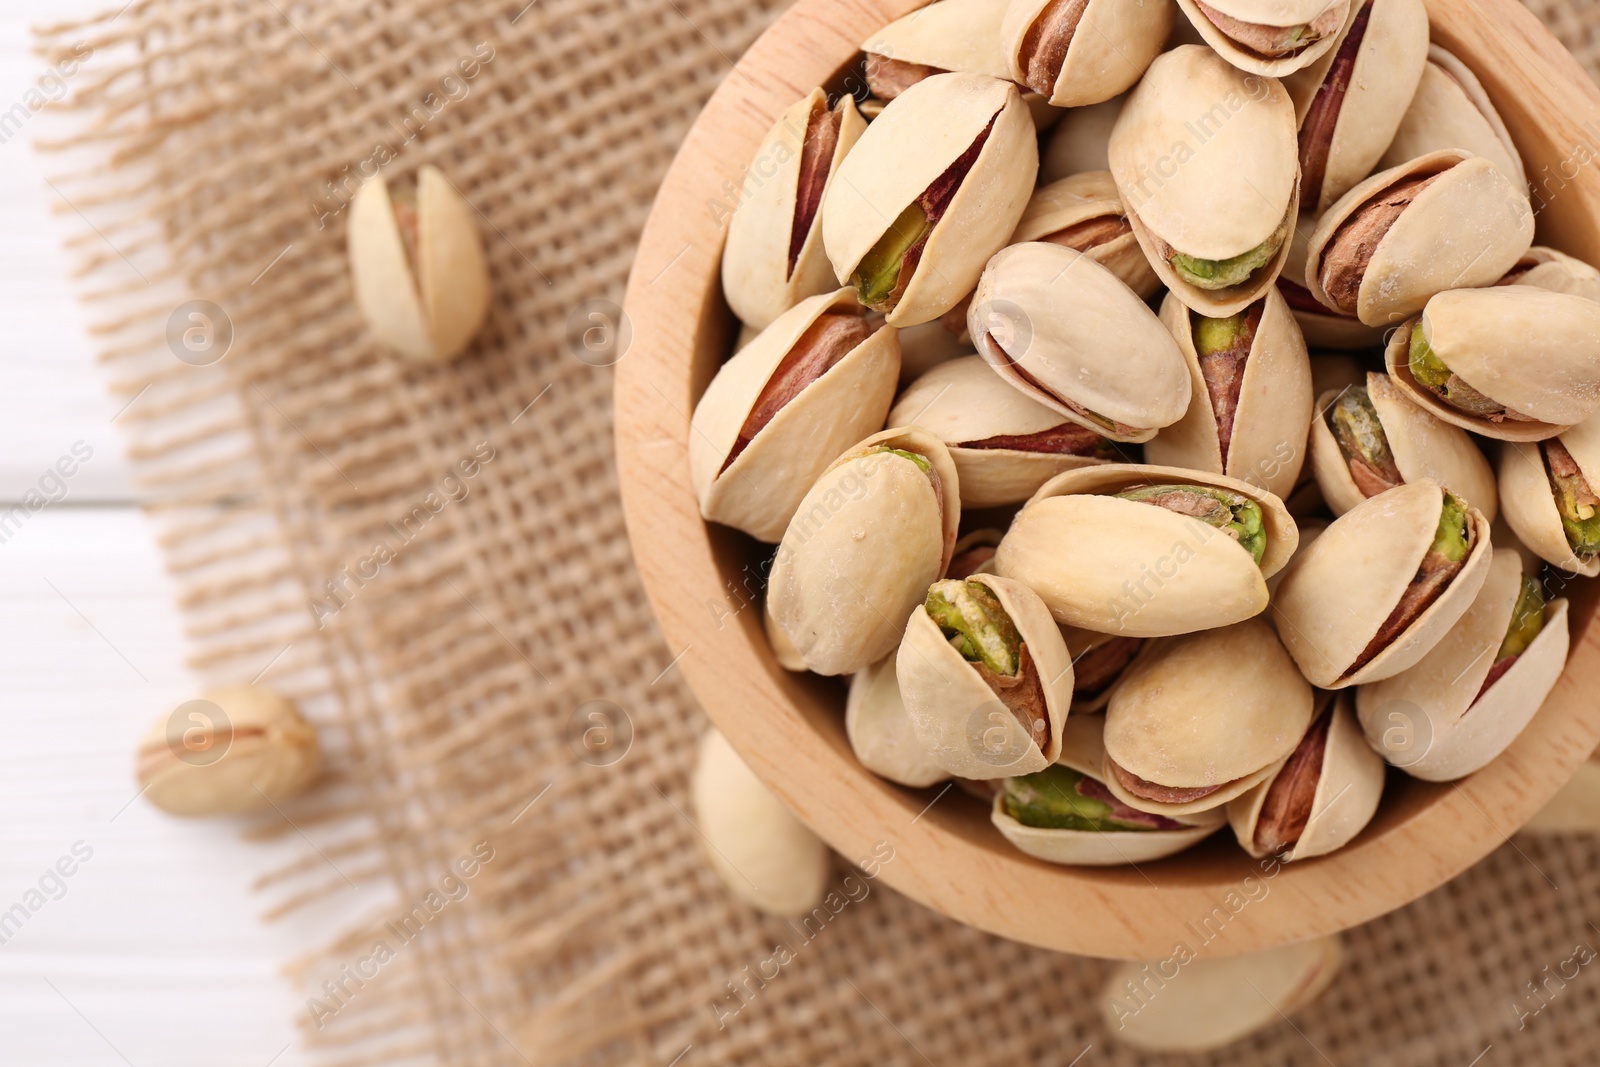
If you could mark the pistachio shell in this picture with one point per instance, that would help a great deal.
(756, 278)
(759, 491)
(1079, 644)
(920, 134)
(880, 732)
(866, 542)
(1424, 448)
(1322, 326)
(1083, 197)
(783, 649)
(1310, 529)
(1546, 268)
(928, 344)
(1451, 110)
(763, 854)
(948, 35)
(1272, 13)
(1438, 703)
(1338, 593)
(962, 724)
(1115, 577)
(1528, 499)
(427, 310)
(1112, 45)
(1575, 808)
(1207, 163)
(1268, 446)
(1089, 344)
(1078, 142)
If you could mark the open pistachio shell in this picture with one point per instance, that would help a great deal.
(1273, 38)
(1078, 141)
(1203, 718)
(1415, 445)
(751, 464)
(958, 707)
(1546, 268)
(1190, 1004)
(1206, 160)
(1079, 53)
(1252, 386)
(1099, 662)
(1341, 595)
(1444, 718)
(1575, 809)
(1136, 569)
(1321, 798)
(880, 732)
(1321, 326)
(1389, 244)
(1528, 498)
(1085, 212)
(417, 264)
(948, 35)
(1063, 329)
(1451, 110)
(877, 528)
(876, 214)
(764, 271)
(1527, 350)
(999, 438)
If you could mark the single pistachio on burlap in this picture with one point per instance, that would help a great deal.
(773, 257)
(1350, 102)
(877, 528)
(1153, 551)
(1271, 38)
(1065, 814)
(1450, 109)
(1066, 331)
(1004, 444)
(1321, 326)
(1078, 141)
(1514, 362)
(815, 382)
(944, 36)
(929, 193)
(1250, 395)
(1371, 438)
(880, 732)
(1547, 268)
(1442, 221)
(417, 264)
(1201, 719)
(232, 752)
(1322, 796)
(974, 553)
(752, 842)
(1575, 809)
(1098, 663)
(1215, 1001)
(1080, 52)
(1206, 160)
(1549, 498)
(1383, 585)
(1467, 700)
(1085, 213)
(985, 677)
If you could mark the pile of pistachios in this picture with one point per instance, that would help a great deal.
(1164, 422)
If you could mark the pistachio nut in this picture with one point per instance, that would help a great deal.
(1084, 212)
(1548, 492)
(1200, 719)
(1065, 814)
(929, 193)
(1321, 798)
(944, 36)
(1321, 326)
(1098, 663)
(1450, 109)
(783, 649)
(877, 528)
(1269, 37)
(1464, 702)
(1546, 268)
(1067, 332)
(985, 677)
(773, 257)
(813, 383)
(1576, 806)
(1079, 52)
(1206, 160)
(1441, 221)
(232, 752)
(880, 732)
(1078, 141)
(1004, 444)
(417, 264)
(1151, 551)
(974, 554)
(1250, 394)
(755, 845)
(1383, 585)
(1350, 101)
(1215, 1001)
(1371, 438)
(1513, 362)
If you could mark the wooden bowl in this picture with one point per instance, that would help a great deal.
(703, 579)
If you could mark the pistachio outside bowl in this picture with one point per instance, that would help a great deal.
(790, 728)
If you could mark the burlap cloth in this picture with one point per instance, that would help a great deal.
(446, 629)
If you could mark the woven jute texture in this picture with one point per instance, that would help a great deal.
(433, 560)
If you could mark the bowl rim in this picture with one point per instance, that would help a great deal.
(946, 857)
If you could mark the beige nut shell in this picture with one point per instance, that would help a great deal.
(1528, 501)
(1079, 643)
(963, 726)
(1338, 592)
(1113, 44)
(948, 35)
(1080, 198)
(1450, 109)
(1324, 328)
(1438, 698)
(880, 732)
(919, 135)
(1078, 141)
(1548, 268)
(759, 491)
(1269, 446)
(1265, 13)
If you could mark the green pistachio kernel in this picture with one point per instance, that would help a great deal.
(1357, 428)
(878, 273)
(1217, 335)
(920, 460)
(1454, 534)
(1236, 515)
(1224, 273)
(1426, 367)
(977, 625)
(1050, 800)
(1527, 619)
